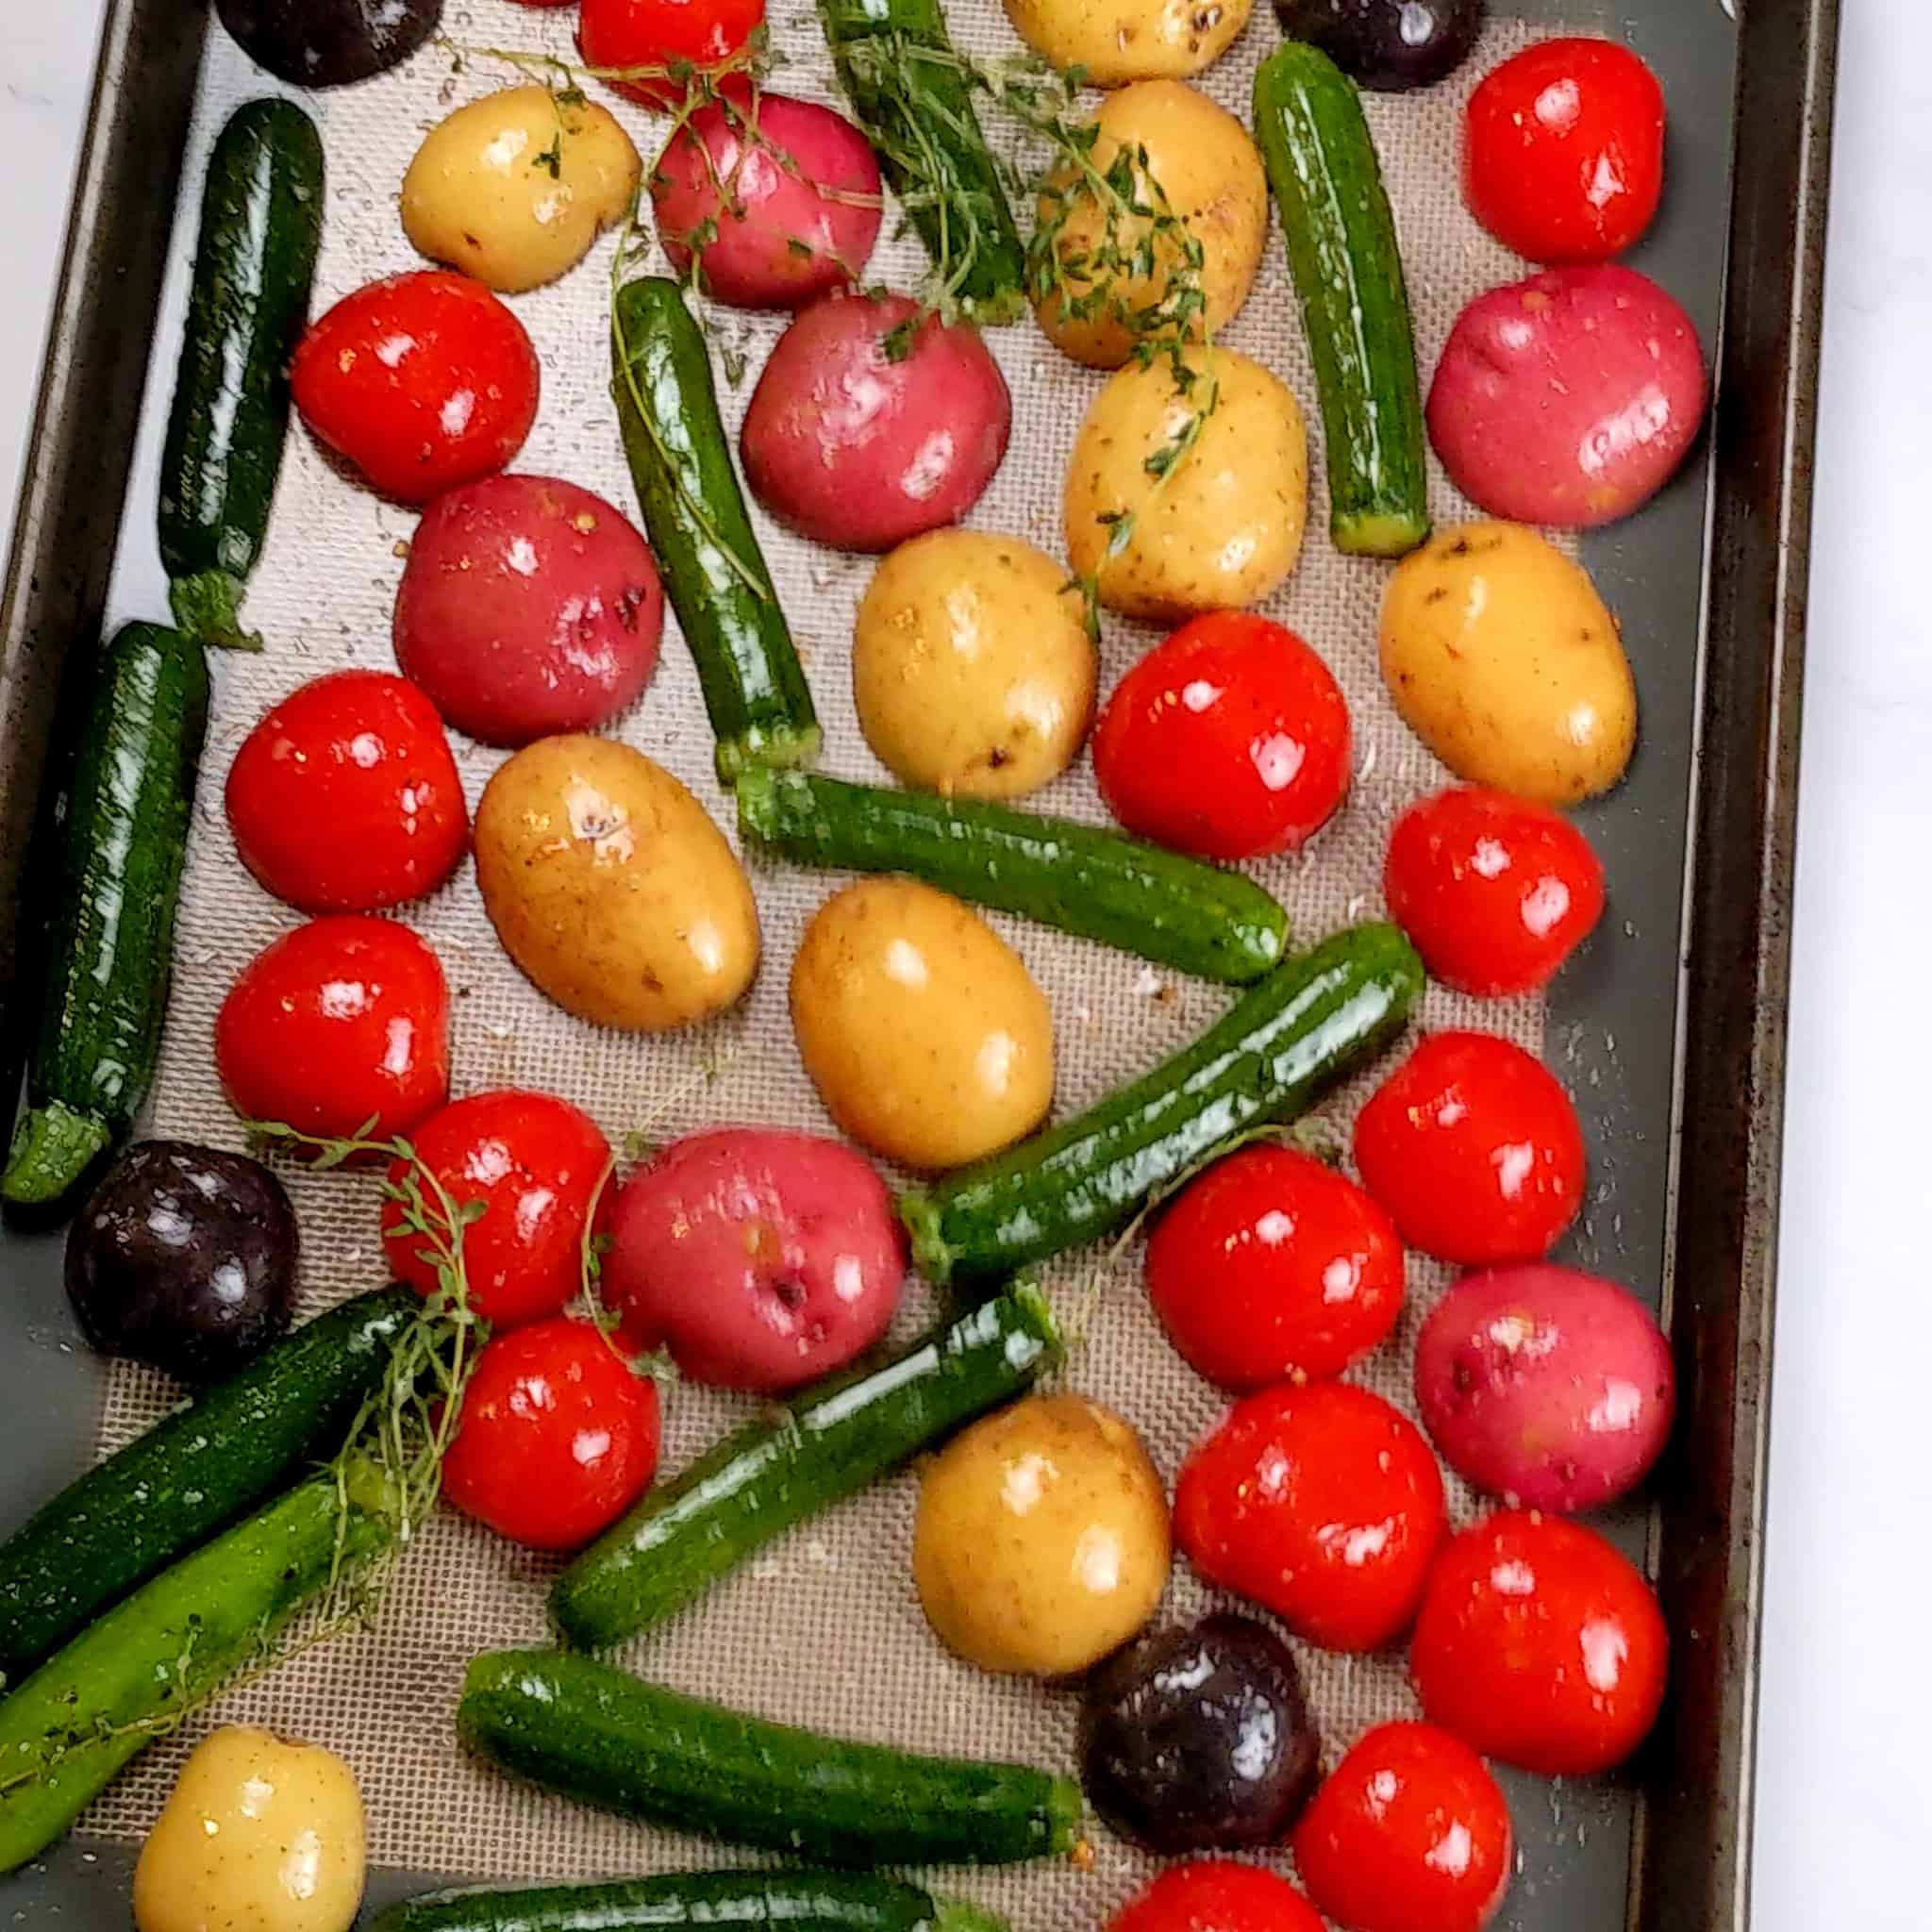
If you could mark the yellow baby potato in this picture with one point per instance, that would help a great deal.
(612, 888)
(971, 665)
(920, 1026)
(1222, 528)
(514, 189)
(258, 1835)
(1042, 1542)
(1209, 177)
(1503, 659)
(1118, 40)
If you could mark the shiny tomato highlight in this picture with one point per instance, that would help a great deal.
(664, 34)
(1216, 1895)
(1231, 739)
(1271, 1266)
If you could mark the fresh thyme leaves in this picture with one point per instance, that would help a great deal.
(551, 156)
(896, 343)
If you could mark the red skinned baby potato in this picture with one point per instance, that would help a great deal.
(1320, 1503)
(1563, 150)
(1495, 891)
(557, 1437)
(346, 798)
(1410, 1834)
(421, 382)
(664, 33)
(1271, 1267)
(1540, 1644)
(1474, 1148)
(534, 1162)
(874, 421)
(762, 1258)
(1216, 1895)
(528, 609)
(338, 1028)
(780, 199)
(1570, 399)
(1229, 738)
(1551, 1389)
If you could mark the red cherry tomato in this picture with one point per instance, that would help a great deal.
(1271, 1266)
(1229, 738)
(557, 1437)
(1563, 150)
(345, 797)
(341, 1021)
(1472, 1146)
(662, 33)
(1216, 1895)
(421, 381)
(1495, 892)
(1539, 1643)
(1410, 1834)
(534, 1161)
(1322, 1502)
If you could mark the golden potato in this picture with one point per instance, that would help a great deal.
(514, 189)
(1502, 659)
(1042, 1540)
(971, 665)
(1210, 175)
(611, 888)
(1116, 40)
(258, 1835)
(920, 1026)
(1221, 527)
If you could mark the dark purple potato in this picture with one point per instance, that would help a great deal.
(1391, 44)
(184, 1258)
(1198, 1738)
(329, 42)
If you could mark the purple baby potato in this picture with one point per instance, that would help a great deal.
(1569, 399)
(762, 1258)
(1549, 1388)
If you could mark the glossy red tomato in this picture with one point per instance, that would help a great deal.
(1216, 1895)
(1563, 150)
(1539, 1643)
(1229, 738)
(1410, 1834)
(1472, 1146)
(342, 1025)
(1271, 1266)
(346, 798)
(534, 1161)
(1322, 1502)
(1495, 892)
(666, 34)
(557, 1437)
(422, 382)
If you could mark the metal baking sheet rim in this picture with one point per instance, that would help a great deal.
(1692, 1864)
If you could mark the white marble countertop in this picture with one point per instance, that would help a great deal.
(1847, 1698)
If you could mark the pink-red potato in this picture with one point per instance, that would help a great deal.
(1551, 1389)
(760, 1258)
(1569, 399)
(781, 208)
(528, 608)
(870, 424)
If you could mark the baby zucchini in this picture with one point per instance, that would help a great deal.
(837, 1438)
(261, 226)
(119, 837)
(913, 97)
(1340, 237)
(200, 1467)
(1083, 879)
(92, 1706)
(714, 574)
(593, 1733)
(1285, 1036)
(727, 1900)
